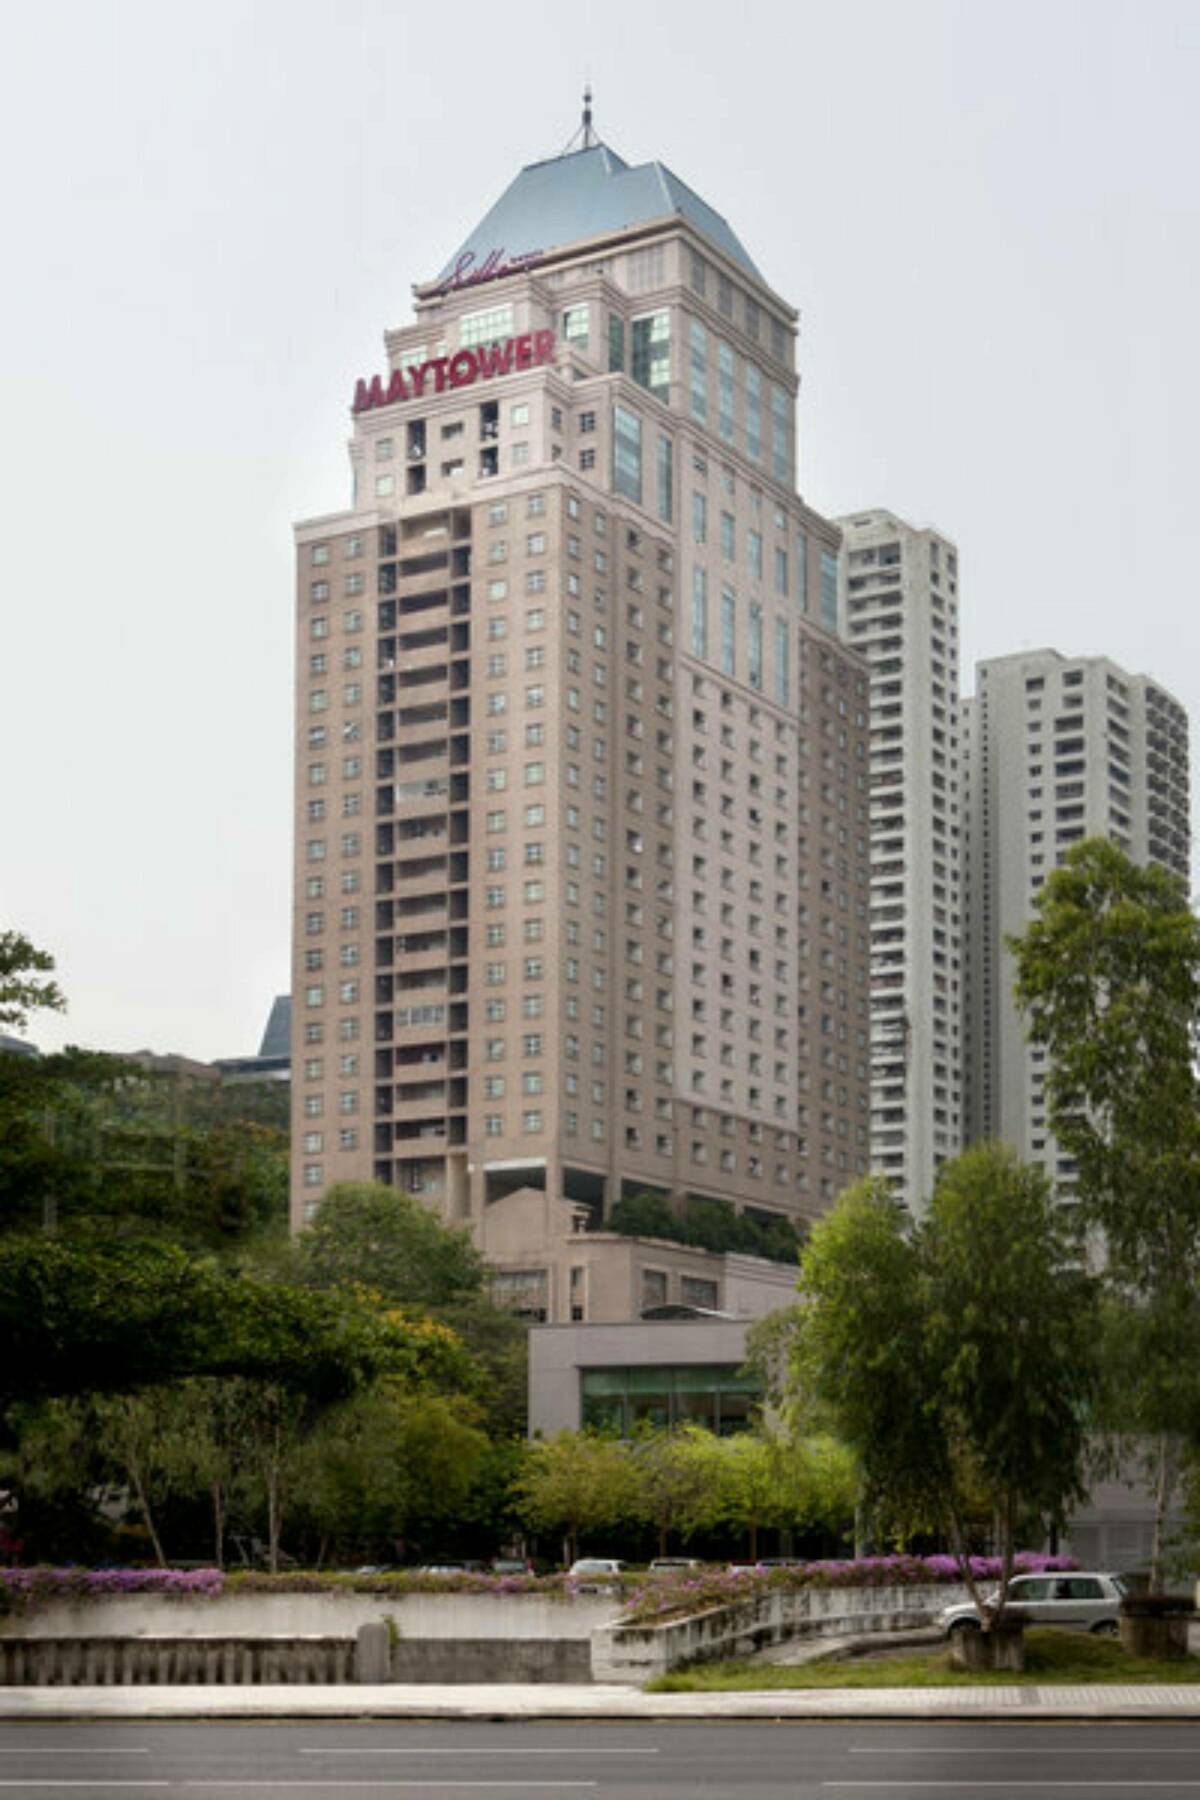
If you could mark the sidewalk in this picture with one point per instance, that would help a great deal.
(493, 1703)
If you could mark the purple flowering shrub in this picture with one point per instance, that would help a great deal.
(23, 1589)
(677, 1596)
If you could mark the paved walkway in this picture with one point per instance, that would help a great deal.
(397, 1701)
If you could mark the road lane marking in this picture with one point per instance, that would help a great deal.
(49, 1750)
(1016, 1750)
(50, 1782)
(449, 1750)
(384, 1781)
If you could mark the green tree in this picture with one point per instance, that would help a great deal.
(954, 1359)
(378, 1237)
(389, 1463)
(574, 1483)
(22, 989)
(111, 1314)
(770, 1480)
(1108, 975)
(676, 1481)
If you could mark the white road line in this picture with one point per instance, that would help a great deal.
(49, 1782)
(384, 1781)
(49, 1750)
(450, 1750)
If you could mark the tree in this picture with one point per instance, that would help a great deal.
(389, 1463)
(775, 1481)
(21, 989)
(378, 1237)
(110, 1315)
(575, 1482)
(955, 1359)
(676, 1481)
(1108, 975)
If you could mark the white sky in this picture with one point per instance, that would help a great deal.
(987, 214)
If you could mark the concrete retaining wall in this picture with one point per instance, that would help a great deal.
(244, 1615)
(141, 1662)
(637, 1653)
(238, 1662)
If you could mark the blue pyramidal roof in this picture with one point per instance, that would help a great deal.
(584, 194)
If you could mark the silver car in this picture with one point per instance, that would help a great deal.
(1077, 1599)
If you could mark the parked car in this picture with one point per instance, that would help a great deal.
(450, 1566)
(511, 1565)
(1080, 1600)
(671, 1565)
(596, 1565)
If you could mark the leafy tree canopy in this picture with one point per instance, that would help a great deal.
(955, 1358)
(378, 1237)
(22, 989)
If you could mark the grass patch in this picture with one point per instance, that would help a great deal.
(1051, 1658)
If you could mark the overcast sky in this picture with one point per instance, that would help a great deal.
(986, 213)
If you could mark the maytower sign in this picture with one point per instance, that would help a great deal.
(460, 370)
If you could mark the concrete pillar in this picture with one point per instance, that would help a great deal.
(373, 1654)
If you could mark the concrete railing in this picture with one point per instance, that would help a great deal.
(637, 1653)
(178, 1661)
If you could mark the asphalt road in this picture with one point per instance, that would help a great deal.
(791, 1760)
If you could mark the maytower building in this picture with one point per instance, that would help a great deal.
(1056, 749)
(900, 609)
(581, 866)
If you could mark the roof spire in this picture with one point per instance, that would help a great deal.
(585, 138)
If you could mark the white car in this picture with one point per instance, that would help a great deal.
(592, 1566)
(1075, 1598)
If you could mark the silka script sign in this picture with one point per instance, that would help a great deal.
(468, 271)
(457, 371)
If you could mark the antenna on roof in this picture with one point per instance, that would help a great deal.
(585, 138)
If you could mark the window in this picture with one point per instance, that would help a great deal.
(802, 570)
(699, 518)
(699, 612)
(650, 353)
(616, 342)
(385, 486)
(728, 537)
(698, 371)
(627, 453)
(754, 554)
(829, 590)
(518, 415)
(781, 460)
(755, 657)
(665, 478)
(781, 572)
(485, 327)
(725, 391)
(781, 661)
(753, 413)
(575, 326)
(728, 632)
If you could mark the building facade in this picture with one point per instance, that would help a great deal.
(581, 808)
(899, 607)
(1056, 749)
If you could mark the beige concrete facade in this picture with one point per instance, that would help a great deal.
(581, 781)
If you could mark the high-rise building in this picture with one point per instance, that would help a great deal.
(900, 609)
(1056, 749)
(581, 810)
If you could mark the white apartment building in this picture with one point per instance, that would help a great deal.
(899, 605)
(1055, 749)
